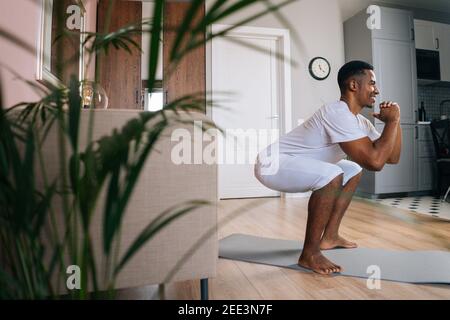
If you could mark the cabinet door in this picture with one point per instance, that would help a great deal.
(395, 69)
(396, 24)
(399, 177)
(425, 35)
(443, 34)
(189, 75)
(120, 71)
(426, 173)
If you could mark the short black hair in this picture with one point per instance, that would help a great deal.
(351, 69)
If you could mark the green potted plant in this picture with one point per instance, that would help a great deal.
(113, 162)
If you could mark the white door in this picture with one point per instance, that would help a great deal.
(250, 115)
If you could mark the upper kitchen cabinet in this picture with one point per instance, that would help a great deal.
(394, 24)
(435, 36)
(443, 33)
(426, 35)
(390, 49)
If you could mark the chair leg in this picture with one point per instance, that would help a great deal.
(446, 194)
(204, 289)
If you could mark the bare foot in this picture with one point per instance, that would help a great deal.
(338, 242)
(318, 263)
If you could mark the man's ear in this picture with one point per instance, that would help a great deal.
(352, 85)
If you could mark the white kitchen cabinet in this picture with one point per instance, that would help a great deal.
(395, 25)
(426, 35)
(426, 174)
(394, 63)
(435, 36)
(399, 177)
(391, 50)
(426, 162)
(443, 34)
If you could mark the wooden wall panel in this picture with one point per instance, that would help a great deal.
(120, 72)
(190, 75)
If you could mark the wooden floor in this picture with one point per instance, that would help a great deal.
(369, 224)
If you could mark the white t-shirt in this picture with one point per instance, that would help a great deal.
(319, 136)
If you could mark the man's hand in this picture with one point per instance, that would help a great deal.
(389, 112)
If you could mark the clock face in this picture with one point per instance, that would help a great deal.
(319, 68)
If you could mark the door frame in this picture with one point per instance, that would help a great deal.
(283, 49)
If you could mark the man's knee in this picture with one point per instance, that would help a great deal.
(352, 172)
(337, 181)
(357, 177)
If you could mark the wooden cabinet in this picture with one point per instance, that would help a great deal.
(189, 76)
(119, 70)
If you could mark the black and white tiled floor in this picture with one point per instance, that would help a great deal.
(425, 205)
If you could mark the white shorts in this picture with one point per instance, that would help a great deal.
(301, 174)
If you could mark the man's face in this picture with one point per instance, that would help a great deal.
(367, 89)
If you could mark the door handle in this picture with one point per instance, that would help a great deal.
(437, 43)
(416, 131)
(275, 116)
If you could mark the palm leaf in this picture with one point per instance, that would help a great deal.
(74, 112)
(155, 43)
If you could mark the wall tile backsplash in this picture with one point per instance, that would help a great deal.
(432, 95)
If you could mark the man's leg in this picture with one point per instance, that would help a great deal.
(331, 238)
(320, 207)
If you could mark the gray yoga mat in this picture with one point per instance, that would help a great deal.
(403, 266)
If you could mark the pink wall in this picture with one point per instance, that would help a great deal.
(21, 18)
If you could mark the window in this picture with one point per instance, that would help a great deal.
(153, 101)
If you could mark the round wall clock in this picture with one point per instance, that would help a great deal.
(319, 68)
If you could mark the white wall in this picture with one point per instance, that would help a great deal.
(318, 24)
(21, 18)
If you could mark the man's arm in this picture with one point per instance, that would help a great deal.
(395, 155)
(374, 155)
